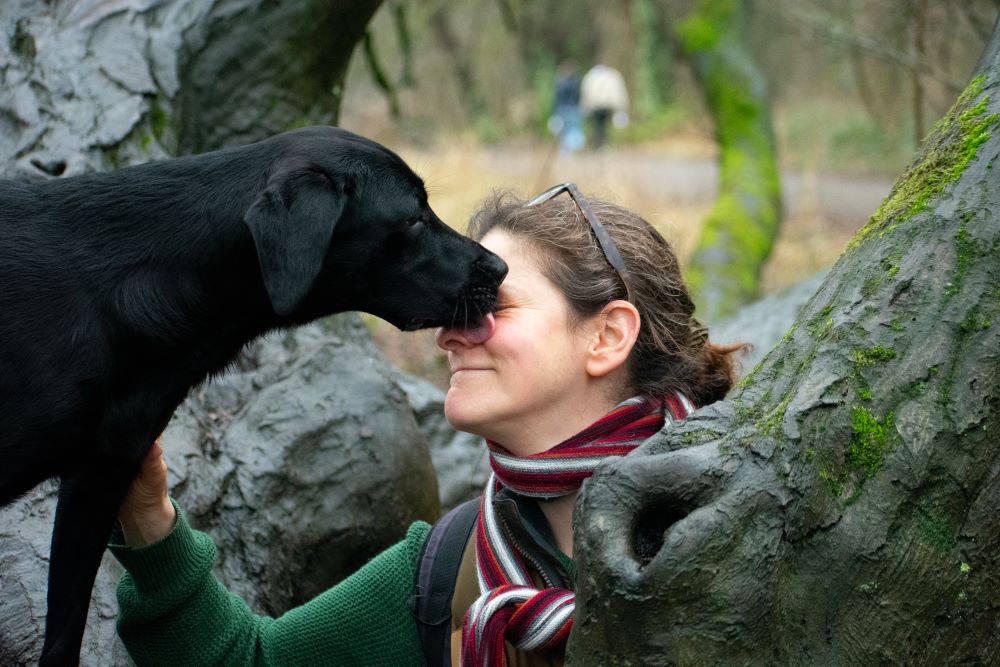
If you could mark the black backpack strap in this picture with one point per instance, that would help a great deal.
(434, 580)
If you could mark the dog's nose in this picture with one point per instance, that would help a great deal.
(491, 263)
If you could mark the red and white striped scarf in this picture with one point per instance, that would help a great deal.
(510, 607)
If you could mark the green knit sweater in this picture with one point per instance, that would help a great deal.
(173, 611)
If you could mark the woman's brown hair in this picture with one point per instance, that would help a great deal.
(672, 352)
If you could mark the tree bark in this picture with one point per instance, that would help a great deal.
(841, 506)
(468, 88)
(653, 58)
(90, 86)
(738, 234)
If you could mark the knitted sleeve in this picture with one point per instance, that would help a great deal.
(174, 611)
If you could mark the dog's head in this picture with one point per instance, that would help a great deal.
(341, 223)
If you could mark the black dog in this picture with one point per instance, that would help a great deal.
(120, 291)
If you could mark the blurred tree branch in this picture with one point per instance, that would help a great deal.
(828, 26)
(378, 73)
(400, 16)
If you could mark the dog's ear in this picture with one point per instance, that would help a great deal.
(291, 222)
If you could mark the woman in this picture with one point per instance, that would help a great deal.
(592, 349)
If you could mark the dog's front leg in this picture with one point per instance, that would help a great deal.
(85, 516)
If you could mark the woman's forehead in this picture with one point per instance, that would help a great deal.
(520, 254)
(525, 274)
(513, 246)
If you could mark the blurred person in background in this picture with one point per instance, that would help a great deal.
(566, 121)
(593, 347)
(603, 99)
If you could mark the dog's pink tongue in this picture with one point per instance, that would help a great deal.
(482, 333)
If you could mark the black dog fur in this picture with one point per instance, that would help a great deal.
(121, 291)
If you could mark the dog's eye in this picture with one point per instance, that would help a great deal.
(415, 223)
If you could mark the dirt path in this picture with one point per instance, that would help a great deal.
(844, 200)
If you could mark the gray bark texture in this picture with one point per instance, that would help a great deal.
(840, 507)
(97, 84)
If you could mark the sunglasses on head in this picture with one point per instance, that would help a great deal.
(603, 238)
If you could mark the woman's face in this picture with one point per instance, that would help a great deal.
(526, 386)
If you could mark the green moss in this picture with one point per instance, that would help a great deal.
(743, 240)
(743, 412)
(949, 148)
(697, 437)
(702, 28)
(871, 440)
(821, 325)
(870, 285)
(974, 322)
(896, 325)
(935, 531)
(965, 255)
(836, 484)
(749, 379)
(915, 389)
(157, 119)
(873, 355)
(890, 268)
(774, 419)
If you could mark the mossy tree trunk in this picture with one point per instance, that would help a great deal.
(654, 80)
(840, 508)
(739, 232)
(93, 86)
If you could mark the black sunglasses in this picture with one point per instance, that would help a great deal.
(607, 243)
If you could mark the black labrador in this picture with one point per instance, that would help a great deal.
(120, 291)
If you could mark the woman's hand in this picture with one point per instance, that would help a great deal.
(147, 514)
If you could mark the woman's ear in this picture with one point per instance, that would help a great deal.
(617, 328)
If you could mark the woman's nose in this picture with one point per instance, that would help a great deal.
(448, 338)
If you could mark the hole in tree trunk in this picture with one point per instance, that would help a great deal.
(651, 527)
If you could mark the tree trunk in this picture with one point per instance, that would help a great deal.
(919, 13)
(458, 56)
(653, 58)
(739, 232)
(97, 85)
(841, 506)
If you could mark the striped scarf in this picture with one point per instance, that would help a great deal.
(511, 607)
